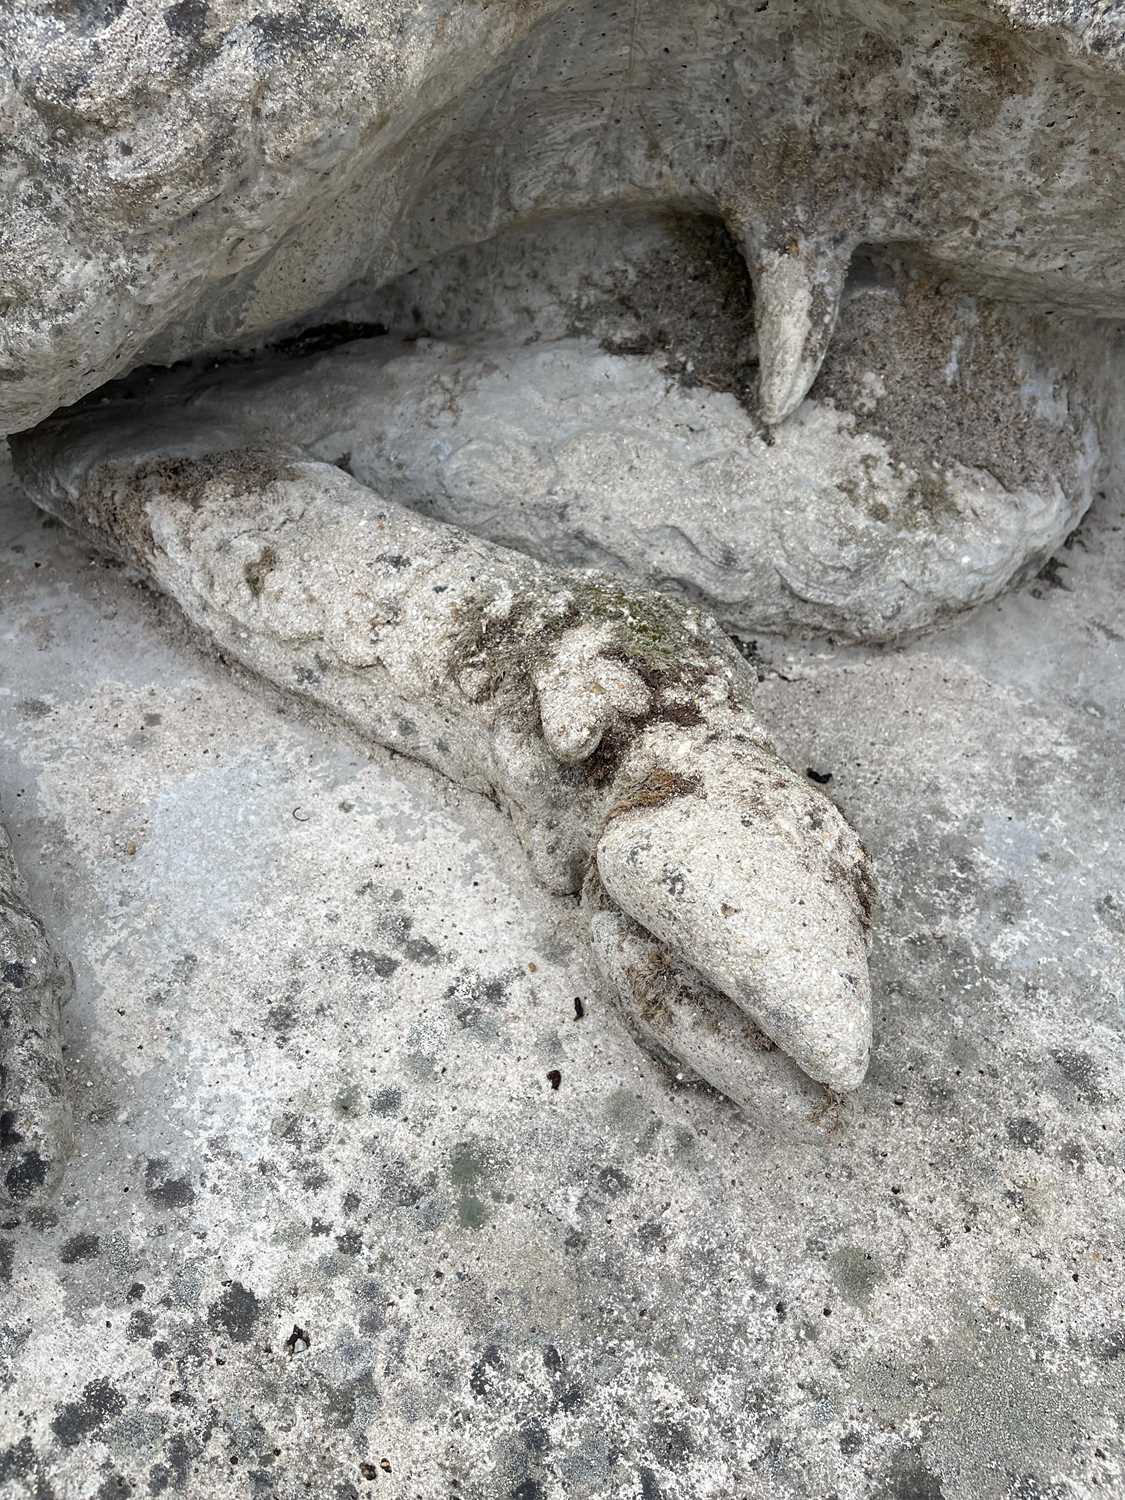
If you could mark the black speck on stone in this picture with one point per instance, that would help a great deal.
(165, 1191)
(78, 1248)
(76, 1420)
(822, 778)
(235, 1313)
(554, 1078)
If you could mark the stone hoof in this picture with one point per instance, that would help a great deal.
(672, 1011)
(751, 877)
(35, 1119)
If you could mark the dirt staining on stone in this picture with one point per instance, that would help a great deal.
(658, 786)
(259, 570)
(692, 303)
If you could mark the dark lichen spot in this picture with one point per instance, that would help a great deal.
(1025, 1133)
(141, 1325)
(235, 1313)
(294, 33)
(362, 961)
(387, 1101)
(187, 20)
(1080, 1070)
(33, 708)
(650, 1490)
(482, 1377)
(671, 1443)
(613, 1182)
(910, 1479)
(1110, 1345)
(165, 1191)
(7, 1259)
(26, 1176)
(78, 1248)
(18, 1461)
(76, 1420)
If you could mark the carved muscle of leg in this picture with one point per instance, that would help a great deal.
(34, 983)
(728, 899)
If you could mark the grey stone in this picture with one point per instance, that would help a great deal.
(35, 1119)
(188, 176)
(610, 723)
(949, 447)
(633, 1274)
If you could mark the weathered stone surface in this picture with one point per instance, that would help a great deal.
(317, 1002)
(35, 1120)
(949, 447)
(463, 655)
(180, 177)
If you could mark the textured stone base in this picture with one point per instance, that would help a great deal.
(328, 1210)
